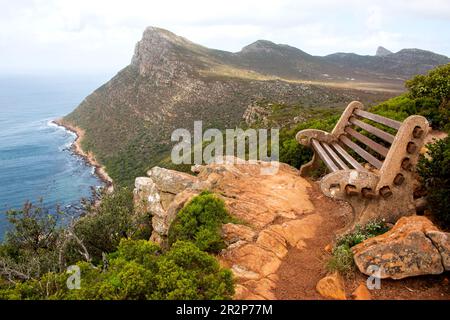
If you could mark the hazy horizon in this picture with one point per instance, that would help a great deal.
(99, 36)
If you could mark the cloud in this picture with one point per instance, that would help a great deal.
(96, 35)
(374, 20)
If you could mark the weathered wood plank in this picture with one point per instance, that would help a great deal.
(355, 164)
(335, 157)
(371, 129)
(363, 153)
(377, 118)
(324, 156)
(368, 142)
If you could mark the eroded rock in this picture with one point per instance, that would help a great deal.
(171, 181)
(404, 251)
(162, 194)
(442, 242)
(233, 233)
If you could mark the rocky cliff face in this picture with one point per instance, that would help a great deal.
(172, 82)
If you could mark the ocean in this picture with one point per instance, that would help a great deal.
(35, 157)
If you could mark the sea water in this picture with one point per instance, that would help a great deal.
(35, 157)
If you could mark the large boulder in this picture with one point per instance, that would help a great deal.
(170, 181)
(413, 247)
(162, 194)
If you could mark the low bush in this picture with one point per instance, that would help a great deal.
(200, 221)
(30, 247)
(428, 95)
(136, 271)
(434, 170)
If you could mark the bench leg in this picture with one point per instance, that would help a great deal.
(308, 168)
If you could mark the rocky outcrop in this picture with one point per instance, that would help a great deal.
(255, 114)
(441, 241)
(413, 247)
(275, 212)
(156, 55)
(162, 194)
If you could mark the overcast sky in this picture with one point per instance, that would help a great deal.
(100, 35)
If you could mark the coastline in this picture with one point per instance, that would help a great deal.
(89, 157)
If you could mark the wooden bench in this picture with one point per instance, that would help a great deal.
(370, 167)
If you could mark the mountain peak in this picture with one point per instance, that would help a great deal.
(260, 46)
(162, 34)
(157, 48)
(382, 52)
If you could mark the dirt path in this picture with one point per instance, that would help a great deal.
(302, 269)
(278, 252)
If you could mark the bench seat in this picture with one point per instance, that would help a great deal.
(371, 161)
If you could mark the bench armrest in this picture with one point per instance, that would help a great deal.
(304, 137)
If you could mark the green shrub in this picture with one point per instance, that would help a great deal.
(359, 234)
(428, 95)
(30, 247)
(436, 84)
(200, 221)
(103, 226)
(137, 271)
(341, 260)
(434, 170)
(38, 241)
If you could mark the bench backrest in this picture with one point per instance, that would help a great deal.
(393, 153)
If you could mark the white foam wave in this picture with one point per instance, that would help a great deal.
(52, 124)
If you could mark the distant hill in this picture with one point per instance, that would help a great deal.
(402, 65)
(172, 81)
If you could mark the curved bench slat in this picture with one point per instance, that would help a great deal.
(355, 164)
(363, 153)
(371, 129)
(335, 157)
(377, 118)
(324, 156)
(368, 142)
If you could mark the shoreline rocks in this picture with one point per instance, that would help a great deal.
(88, 157)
